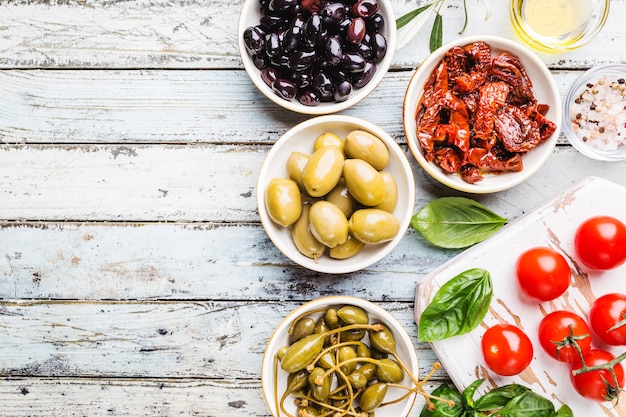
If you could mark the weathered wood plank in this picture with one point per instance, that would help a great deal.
(197, 34)
(208, 339)
(38, 397)
(203, 182)
(168, 107)
(186, 261)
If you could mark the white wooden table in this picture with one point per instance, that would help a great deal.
(136, 278)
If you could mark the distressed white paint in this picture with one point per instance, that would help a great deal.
(201, 34)
(135, 277)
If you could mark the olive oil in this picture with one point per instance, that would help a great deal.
(554, 22)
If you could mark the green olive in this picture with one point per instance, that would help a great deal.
(303, 327)
(389, 370)
(303, 238)
(373, 225)
(363, 145)
(322, 172)
(364, 182)
(295, 167)
(328, 139)
(347, 249)
(347, 353)
(391, 193)
(283, 201)
(350, 314)
(373, 396)
(341, 197)
(328, 223)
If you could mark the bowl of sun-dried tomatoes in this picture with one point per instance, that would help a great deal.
(482, 114)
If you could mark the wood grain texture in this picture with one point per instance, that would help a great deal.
(198, 34)
(135, 276)
(124, 106)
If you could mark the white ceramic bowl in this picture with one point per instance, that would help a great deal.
(611, 73)
(544, 88)
(250, 16)
(404, 348)
(301, 138)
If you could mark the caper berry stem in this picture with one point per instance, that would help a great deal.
(332, 347)
(337, 367)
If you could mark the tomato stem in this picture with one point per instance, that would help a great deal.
(619, 324)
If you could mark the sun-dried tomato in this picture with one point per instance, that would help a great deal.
(508, 68)
(518, 132)
(491, 97)
(479, 55)
(479, 114)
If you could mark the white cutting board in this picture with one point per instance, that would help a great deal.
(552, 224)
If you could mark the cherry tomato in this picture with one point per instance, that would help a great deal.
(598, 385)
(554, 329)
(542, 273)
(607, 317)
(506, 349)
(600, 242)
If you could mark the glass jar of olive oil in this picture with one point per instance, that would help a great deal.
(558, 25)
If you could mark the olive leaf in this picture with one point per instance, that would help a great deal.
(457, 307)
(411, 23)
(436, 34)
(456, 222)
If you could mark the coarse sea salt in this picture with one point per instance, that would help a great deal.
(598, 114)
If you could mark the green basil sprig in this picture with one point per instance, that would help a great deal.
(511, 400)
(458, 306)
(456, 222)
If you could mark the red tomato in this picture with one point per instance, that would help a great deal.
(555, 327)
(607, 318)
(600, 242)
(542, 273)
(506, 349)
(598, 385)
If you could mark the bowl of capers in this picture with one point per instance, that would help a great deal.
(340, 354)
(335, 194)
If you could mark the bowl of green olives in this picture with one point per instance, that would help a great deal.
(337, 354)
(335, 194)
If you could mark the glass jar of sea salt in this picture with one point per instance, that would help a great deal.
(594, 118)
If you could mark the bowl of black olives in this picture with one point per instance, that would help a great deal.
(335, 194)
(340, 355)
(316, 56)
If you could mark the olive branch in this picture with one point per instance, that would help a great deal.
(411, 23)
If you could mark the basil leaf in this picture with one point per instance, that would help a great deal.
(499, 397)
(441, 408)
(456, 222)
(436, 34)
(564, 411)
(406, 18)
(469, 391)
(457, 307)
(528, 404)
